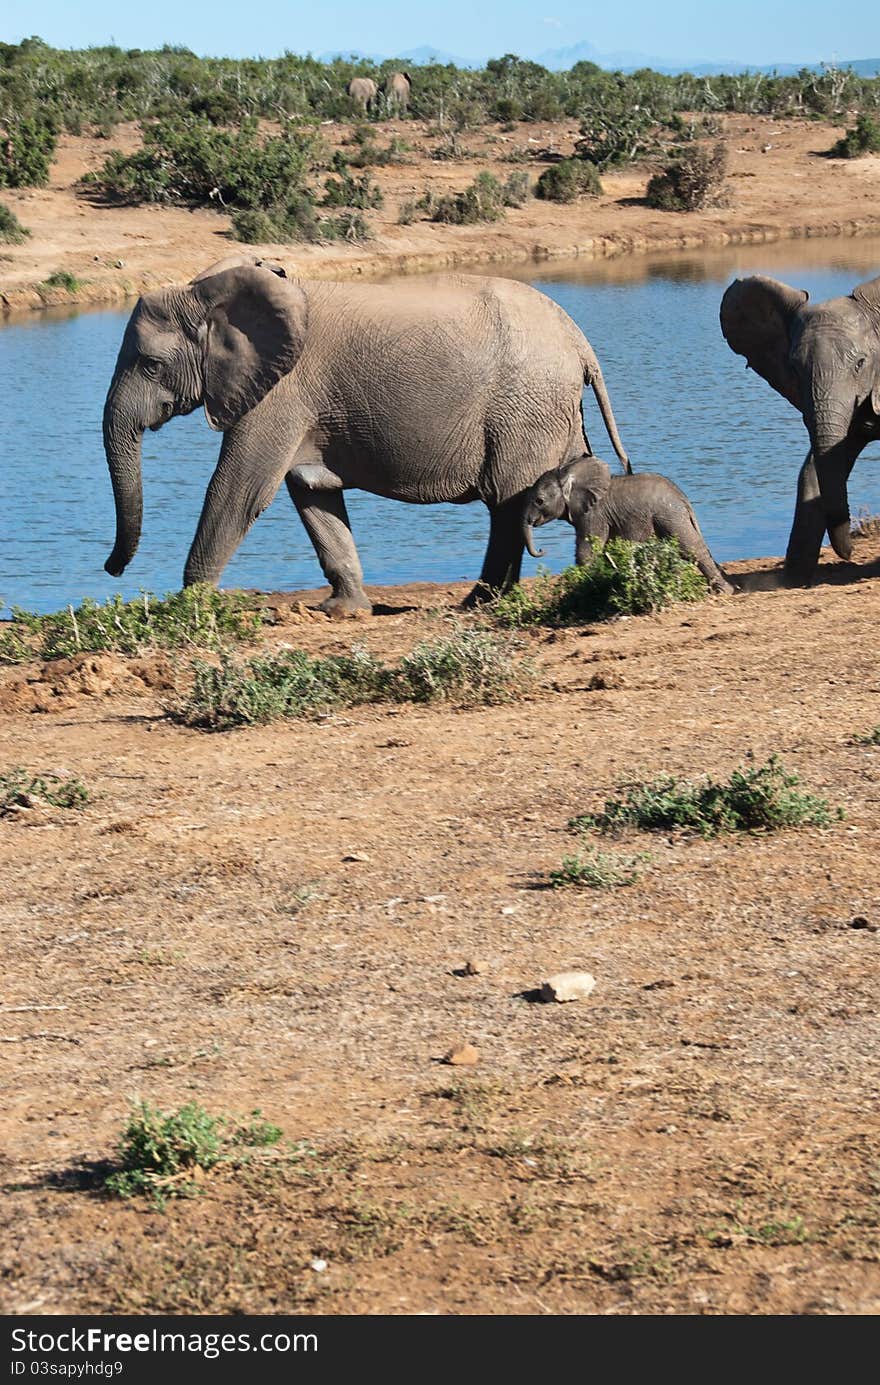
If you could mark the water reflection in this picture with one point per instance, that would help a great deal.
(684, 403)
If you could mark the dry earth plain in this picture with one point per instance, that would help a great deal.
(781, 184)
(279, 918)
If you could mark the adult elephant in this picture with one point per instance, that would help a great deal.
(396, 89)
(824, 358)
(446, 389)
(363, 91)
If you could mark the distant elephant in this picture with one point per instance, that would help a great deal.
(363, 92)
(602, 506)
(453, 388)
(396, 90)
(825, 360)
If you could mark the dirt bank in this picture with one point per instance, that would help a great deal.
(781, 185)
(279, 918)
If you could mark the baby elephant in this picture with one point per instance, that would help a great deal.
(602, 506)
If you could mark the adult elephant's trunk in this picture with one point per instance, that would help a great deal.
(122, 444)
(528, 538)
(594, 378)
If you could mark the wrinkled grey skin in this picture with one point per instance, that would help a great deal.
(602, 506)
(430, 389)
(824, 358)
(363, 92)
(396, 90)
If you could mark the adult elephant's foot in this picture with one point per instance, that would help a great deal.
(478, 596)
(347, 607)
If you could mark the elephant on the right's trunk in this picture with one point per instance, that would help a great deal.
(824, 358)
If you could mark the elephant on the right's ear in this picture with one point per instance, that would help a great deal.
(824, 358)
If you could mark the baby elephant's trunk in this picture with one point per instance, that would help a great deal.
(532, 551)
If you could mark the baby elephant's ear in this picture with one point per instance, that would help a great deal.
(253, 333)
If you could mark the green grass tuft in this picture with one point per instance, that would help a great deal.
(62, 279)
(19, 789)
(624, 578)
(11, 230)
(593, 869)
(763, 799)
(160, 1153)
(198, 617)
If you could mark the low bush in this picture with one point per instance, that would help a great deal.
(692, 181)
(62, 279)
(482, 200)
(283, 224)
(623, 578)
(864, 138)
(569, 180)
(163, 1154)
(19, 788)
(762, 799)
(469, 668)
(348, 191)
(198, 617)
(27, 148)
(593, 869)
(11, 230)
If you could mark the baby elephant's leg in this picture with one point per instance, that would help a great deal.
(687, 531)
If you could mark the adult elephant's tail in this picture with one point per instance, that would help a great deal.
(594, 378)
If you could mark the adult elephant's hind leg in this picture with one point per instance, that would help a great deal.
(326, 520)
(503, 560)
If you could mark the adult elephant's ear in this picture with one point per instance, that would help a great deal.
(253, 332)
(756, 317)
(867, 296)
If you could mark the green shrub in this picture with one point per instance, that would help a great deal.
(198, 617)
(470, 668)
(158, 1150)
(284, 224)
(692, 181)
(568, 180)
(11, 230)
(62, 279)
(346, 191)
(27, 148)
(593, 869)
(482, 201)
(764, 799)
(19, 788)
(623, 578)
(515, 190)
(193, 162)
(864, 138)
(290, 684)
(407, 213)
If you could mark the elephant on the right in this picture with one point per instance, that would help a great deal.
(824, 358)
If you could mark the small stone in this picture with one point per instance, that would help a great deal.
(356, 856)
(319, 1266)
(475, 968)
(509, 908)
(567, 985)
(120, 264)
(461, 1055)
(858, 922)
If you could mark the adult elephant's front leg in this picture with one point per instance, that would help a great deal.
(242, 487)
(808, 527)
(503, 560)
(326, 520)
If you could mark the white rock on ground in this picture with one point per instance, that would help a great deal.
(567, 985)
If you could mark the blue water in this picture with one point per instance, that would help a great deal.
(685, 406)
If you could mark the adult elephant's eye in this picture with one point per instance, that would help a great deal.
(860, 364)
(151, 367)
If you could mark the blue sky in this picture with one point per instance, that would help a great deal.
(756, 31)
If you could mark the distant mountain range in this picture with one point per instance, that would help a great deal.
(561, 59)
